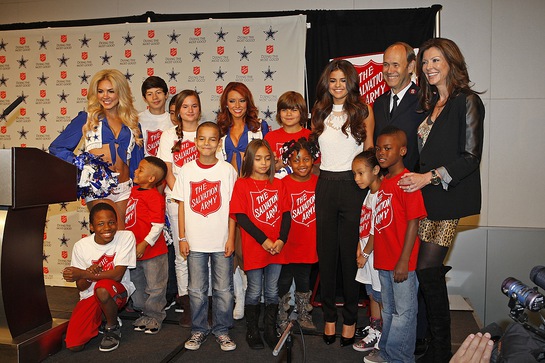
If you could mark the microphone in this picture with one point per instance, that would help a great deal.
(285, 334)
(537, 275)
(10, 108)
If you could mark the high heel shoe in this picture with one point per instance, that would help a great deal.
(346, 341)
(329, 339)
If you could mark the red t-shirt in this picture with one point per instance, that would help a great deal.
(394, 208)
(301, 245)
(264, 203)
(277, 138)
(146, 206)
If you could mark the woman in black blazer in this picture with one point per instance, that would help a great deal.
(450, 143)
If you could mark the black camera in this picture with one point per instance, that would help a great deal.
(526, 296)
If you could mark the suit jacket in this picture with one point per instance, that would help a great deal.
(405, 117)
(455, 142)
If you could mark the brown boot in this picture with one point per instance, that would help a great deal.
(185, 319)
(304, 308)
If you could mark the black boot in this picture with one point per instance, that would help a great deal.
(251, 312)
(434, 290)
(269, 321)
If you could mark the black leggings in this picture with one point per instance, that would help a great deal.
(431, 255)
(300, 272)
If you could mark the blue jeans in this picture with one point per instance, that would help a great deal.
(222, 291)
(263, 279)
(150, 279)
(399, 308)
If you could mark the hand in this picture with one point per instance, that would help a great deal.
(477, 348)
(229, 248)
(361, 261)
(94, 269)
(72, 274)
(278, 245)
(278, 163)
(141, 248)
(268, 246)
(411, 182)
(184, 249)
(401, 271)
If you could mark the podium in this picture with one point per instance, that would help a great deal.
(30, 180)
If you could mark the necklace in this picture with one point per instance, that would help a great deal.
(334, 121)
(260, 190)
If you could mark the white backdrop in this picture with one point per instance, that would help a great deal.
(51, 69)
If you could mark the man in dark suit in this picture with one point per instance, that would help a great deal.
(399, 63)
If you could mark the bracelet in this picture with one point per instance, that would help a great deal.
(182, 239)
(365, 255)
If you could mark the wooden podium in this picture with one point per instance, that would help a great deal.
(30, 180)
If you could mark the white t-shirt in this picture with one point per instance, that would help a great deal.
(367, 274)
(337, 149)
(121, 251)
(188, 151)
(152, 127)
(206, 194)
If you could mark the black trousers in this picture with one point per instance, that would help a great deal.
(300, 272)
(338, 210)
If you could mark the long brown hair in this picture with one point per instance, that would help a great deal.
(224, 119)
(180, 98)
(249, 157)
(356, 111)
(457, 79)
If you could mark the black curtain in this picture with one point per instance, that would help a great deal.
(332, 33)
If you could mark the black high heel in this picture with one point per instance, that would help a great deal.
(347, 341)
(329, 339)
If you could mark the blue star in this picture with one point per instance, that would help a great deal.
(84, 78)
(244, 54)
(85, 41)
(43, 43)
(268, 114)
(3, 80)
(172, 75)
(63, 96)
(128, 75)
(219, 74)
(221, 35)
(64, 206)
(150, 56)
(268, 73)
(43, 79)
(105, 58)
(128, 39)
(43, 115)
(84, 224)
(196, 55)
(196, 90)
(216, 112)
(22, 62)
(22, 133)
(173, 37)
(270, 33)
(95, 137)
(44, 257)
(64, 240)
(3, 45)
(63, 60)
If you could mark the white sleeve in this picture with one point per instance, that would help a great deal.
(126, 249)
(154, 233)
(178, 191)
(78, 258)
(165, 146)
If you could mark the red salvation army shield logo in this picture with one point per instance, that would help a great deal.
(42, 129)
(383, 211)
(84, 55)
(2, 59)
(173, 52)
(219, 90)
(64, 254)
(64, 219)
(303, 209)
(265, 206)
(197, 31)
(22, 111)
(130, 213)
(152, 141)
(372, 83)
(205, 197)
(268, 89)
(63, 74)
(84, 92)
(3, 129)
(2, 94)
(42, 93)
(188, 152)
(245, 30)
(269, 49)
(244, 69)
(365, 221)
(150, 71)
(172, 90)
(64, 38)
(43, 57)
(106, 36)
(22, 76)
(46, 270)
(220, 50)
(151, 33)
(22, 40)
(63, 111)
(196, 70)
(128, 53)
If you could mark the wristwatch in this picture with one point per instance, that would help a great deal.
(435, 179)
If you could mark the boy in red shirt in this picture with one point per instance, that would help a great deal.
(396, 250)
(145, 217)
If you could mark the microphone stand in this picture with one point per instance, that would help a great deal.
(286, 338)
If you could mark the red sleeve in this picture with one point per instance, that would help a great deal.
(239, 202)
(156, 207)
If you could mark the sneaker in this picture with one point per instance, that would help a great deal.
(102, 326)
(169, 304)
(152, 327)
(225, 342)
(374, 357)
(111, 339)
(369, 342)
(141, 323)
(195, 341)
(362, 332)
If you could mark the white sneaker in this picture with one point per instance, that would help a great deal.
(225, 342)
(195, 341)
(370, 341)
